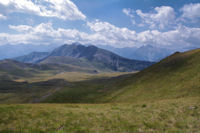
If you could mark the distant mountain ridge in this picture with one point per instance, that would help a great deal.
(93, 56)
(151, 53)
(146, 53)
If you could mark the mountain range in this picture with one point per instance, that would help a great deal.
(85, 56)
(146, 53)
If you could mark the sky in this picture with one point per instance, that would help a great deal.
(171, 24)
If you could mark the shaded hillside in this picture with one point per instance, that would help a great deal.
(11, 69)
(32, 57)
(24, 92)
(67, 60)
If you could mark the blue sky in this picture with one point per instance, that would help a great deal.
(172, 24)
(111, 10)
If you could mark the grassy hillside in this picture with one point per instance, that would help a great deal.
(14, 70)
(82, 89)
(10, 69)
(24, 92)
(174, 77)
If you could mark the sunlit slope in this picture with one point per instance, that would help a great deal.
(174, 77)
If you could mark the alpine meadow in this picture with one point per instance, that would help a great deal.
(117, 66)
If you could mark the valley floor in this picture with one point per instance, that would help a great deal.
(173, 115)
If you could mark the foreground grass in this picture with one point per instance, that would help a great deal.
(175, 115)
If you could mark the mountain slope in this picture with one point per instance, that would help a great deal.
(32, 57)
(12, 70)
(174, 77)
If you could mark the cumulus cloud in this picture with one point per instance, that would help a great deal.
(161, 17)
(62, 9)
(102, 33)
(164, 17)
(191, 11)
(43, 33)
(181, 37)
(107, 33)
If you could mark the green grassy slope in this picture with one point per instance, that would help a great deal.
(174, 77)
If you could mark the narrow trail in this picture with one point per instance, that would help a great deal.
(45, 96)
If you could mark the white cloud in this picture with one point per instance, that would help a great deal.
(102, 33)
(21, 28)
(128, 12)
(62, 9)
(181, 37)
(161, 17)
(191, 11)
(2, 16)
(43, 33)
(107, 33)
